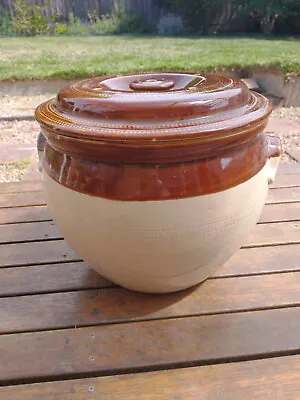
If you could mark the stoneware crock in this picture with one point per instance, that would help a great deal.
(156, 179)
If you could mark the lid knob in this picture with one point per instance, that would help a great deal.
(151, 84)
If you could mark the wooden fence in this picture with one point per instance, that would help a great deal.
(218, 18)
(81, 8)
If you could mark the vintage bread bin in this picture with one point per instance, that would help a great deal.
(157, 179)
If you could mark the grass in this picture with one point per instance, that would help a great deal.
(77, 57)
(16, 165)
(10, 172)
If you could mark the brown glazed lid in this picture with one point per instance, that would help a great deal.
(153, 117)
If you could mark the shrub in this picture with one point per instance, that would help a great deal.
(106, 24)
(133, 23)
(60, 29)
(205, 16)
(194, 12)
(170, 24)
(76, 27)
(120, 22)
(29, 20)
(6, 24)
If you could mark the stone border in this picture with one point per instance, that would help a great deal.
(274, 84)
(24, 117)
(33, 87)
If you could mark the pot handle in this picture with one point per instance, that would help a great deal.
(40, 144)
(274, 153)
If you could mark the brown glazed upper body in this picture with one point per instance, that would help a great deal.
(155, 136)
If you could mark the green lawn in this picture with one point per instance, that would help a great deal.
(70, 57)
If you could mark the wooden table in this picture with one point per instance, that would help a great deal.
(68, 333)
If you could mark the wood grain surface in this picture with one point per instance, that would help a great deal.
(149, 345)
(97, 307)
(235, 336)
(269, 379)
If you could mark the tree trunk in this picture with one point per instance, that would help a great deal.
(267, 23)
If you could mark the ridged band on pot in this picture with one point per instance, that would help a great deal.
(155, 136)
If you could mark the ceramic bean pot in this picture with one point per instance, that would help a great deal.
(157, 179)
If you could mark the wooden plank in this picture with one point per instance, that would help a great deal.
(254, 261)
(274, 234)
(283, 195)
(149, 345)
(22, 186)
(262, 260)
(280, 213)
(24, 214)
(263, 234)
(278, 195)
(31, 253)
(49, 278)
(22, 199)
(75, 276)
(13, 233)
(271, 213)
(290, 180)
(268, 379)
(287, 169)
(116, 305)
